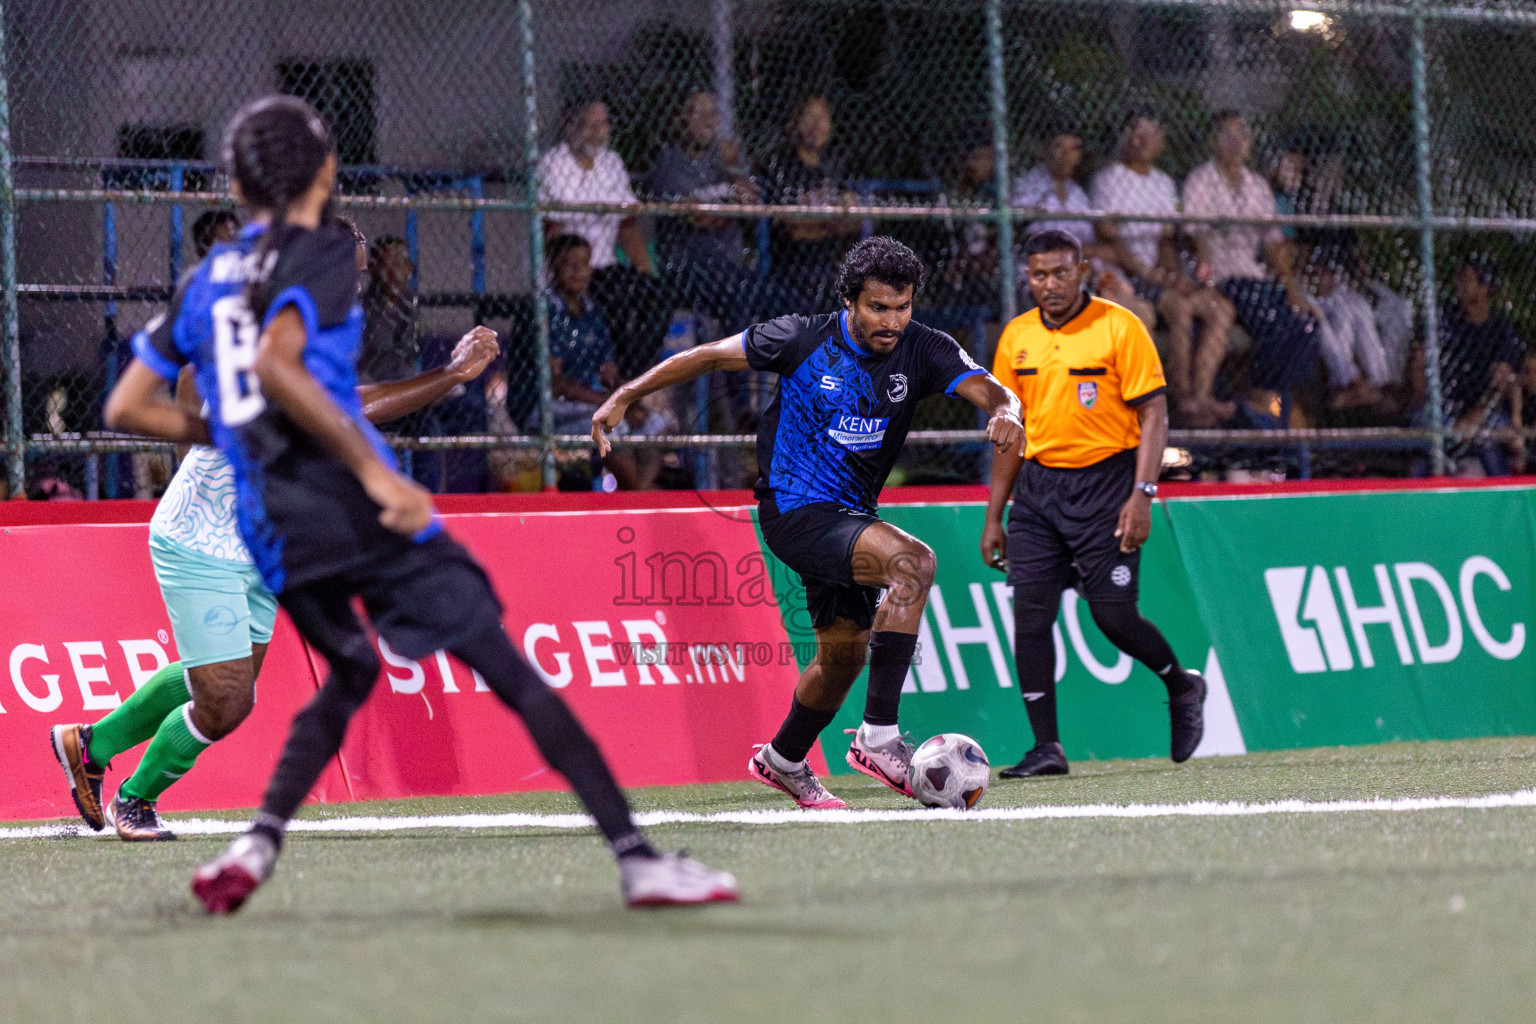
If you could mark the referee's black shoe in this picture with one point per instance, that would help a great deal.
(1042, 759)
(1186, 720)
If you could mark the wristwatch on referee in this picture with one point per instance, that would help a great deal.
(1150, 490)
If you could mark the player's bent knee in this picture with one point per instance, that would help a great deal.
(916, 566)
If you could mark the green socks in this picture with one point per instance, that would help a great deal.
(170, 755)
(137, 718)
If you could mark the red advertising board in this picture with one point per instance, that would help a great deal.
(81, 624)
(658, 626)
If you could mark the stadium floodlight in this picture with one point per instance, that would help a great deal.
(1309, 21)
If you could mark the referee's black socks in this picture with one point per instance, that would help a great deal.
(1125, 627)
(1034, 653)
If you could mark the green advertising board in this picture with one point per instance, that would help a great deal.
(1279, 600)
(1358, 618)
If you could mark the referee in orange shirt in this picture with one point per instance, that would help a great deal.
(1095, 425)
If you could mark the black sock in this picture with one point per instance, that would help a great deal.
(1034, 654)
(798, 733)
(269, 830)
(1124, 626)
(890, 656)
(632, 845)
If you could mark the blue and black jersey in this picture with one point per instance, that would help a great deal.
(842, 412)
(302, 512)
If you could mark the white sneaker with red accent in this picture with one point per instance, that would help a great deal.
(226, 882)
(799, 782)
(673, 879)
(890, 763)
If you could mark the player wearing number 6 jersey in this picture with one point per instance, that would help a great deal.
(221, 612)
(272, 331)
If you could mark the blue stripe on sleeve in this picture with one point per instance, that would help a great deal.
(146, 353)
(967, 375)
(297, 295)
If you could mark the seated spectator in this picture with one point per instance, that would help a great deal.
(966, 254)
(582, 368)
(1270, 304)
(390, 349)
(1351, 346)
(704, 258)
(1523, 402)
(806, 170)
(211, 227)
(1051, 186)
(582, 169)
(1145, 252)
(1479, 353)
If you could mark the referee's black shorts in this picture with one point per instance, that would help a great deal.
(816, 541)
(1062, 529)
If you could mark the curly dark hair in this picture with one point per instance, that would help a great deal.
(881, 259)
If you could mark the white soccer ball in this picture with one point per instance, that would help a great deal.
(950, 770)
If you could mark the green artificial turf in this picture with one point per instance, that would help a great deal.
(1392, 916)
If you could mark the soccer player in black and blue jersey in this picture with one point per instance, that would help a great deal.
(271, 327)
(849, 383)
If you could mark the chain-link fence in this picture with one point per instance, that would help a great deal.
(1320, 209)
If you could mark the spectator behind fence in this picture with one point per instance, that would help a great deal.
(211, 227)
(1146, 253)
(966, 256)
(1270, 304)
(390, 349)
(1351, 346)
(807, 170)
(582, 366)
(1479, 353)
(1052, 186)
(582, 169)
(703, 257)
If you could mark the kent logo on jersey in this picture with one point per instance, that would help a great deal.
(859, 433)
(835, 427)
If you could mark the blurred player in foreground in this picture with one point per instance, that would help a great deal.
(1095, 426)
(221, 612)
(848, 385)
(272, 328)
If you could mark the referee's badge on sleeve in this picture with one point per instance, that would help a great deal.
(1088, 394)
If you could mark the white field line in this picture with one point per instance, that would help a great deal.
(206, 826)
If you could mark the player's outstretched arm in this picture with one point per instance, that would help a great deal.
(392, 399)
(725, 354)
(407, 506)
(1005, 428)
(141, 404)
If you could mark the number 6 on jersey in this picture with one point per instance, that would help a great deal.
(234, 347)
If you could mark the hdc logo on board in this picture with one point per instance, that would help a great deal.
(1319, 615)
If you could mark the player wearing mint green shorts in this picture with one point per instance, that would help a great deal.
(222, 615)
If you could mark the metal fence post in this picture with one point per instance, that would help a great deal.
(10, 327)
(1006, 269)
(536, 250)
(1428, 289)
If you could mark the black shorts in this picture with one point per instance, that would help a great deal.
(817, 542)
(431, 598)
(1062, 529)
